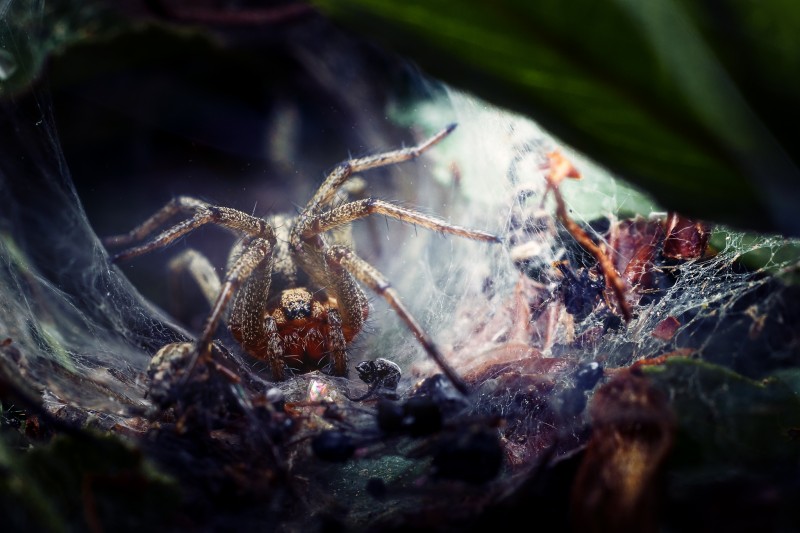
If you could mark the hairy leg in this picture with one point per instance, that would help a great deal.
(344, 214)
(201, 213)
(341, 257)
(200, 269)
(346, 169)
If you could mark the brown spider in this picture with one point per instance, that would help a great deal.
(293, 280)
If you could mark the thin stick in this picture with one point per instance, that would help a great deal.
(560, 168)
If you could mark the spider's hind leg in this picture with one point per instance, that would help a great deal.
(201, 271)
(255, 253)
(336, 344)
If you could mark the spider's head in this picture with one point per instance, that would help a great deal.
(296, 303)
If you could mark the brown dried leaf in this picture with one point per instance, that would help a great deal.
(617, 485)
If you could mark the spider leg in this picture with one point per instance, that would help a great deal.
(273, 349)
(202, 213)
(253, 254)
(200, 269)
(341, 257)
(344, 214)
(344, 170)
(336, 343)
(173, 207)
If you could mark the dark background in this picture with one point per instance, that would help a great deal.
(242, 106)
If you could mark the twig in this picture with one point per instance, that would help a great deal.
(559, 168)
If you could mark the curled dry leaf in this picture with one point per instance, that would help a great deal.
(666, 329)
(685, 238)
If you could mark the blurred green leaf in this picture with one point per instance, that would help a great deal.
(83, 483)
(736, 442)
(726, 418)
(690, 100)
(31, 32)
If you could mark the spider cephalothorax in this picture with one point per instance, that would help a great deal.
(292, 282)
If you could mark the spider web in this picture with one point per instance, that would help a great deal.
(74, 329)
(81, 334)
(64, 306)
(63, 301)
(731, 307)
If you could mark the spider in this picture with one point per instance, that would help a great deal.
(291, 282)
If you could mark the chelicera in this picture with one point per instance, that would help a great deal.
(291, 293)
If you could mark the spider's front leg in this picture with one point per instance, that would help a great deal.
(342, 261)
(249, 321)
(345, 170)
(258, 245)
(336, 343)
(201, 213)
(255, 253)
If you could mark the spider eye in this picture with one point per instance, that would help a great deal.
(296, 304)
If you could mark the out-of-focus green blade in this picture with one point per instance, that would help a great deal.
(690, 100)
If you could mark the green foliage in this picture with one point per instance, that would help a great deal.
(103, 40)
(727, 419)
(31, 32)
(691, 100)
(83, 482)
